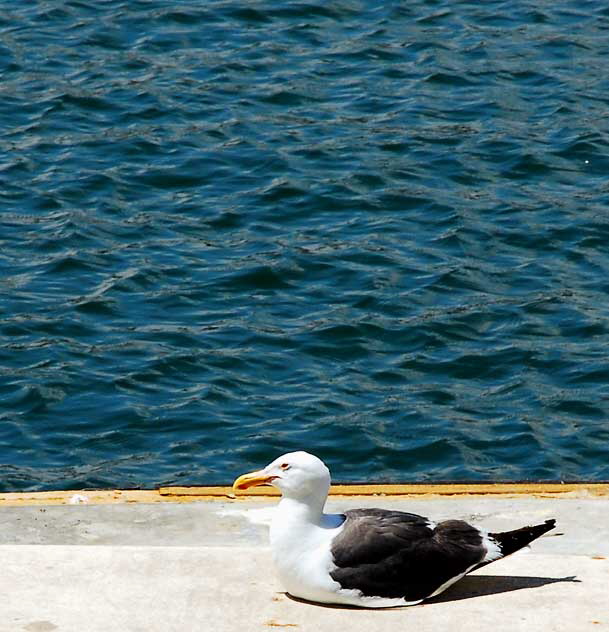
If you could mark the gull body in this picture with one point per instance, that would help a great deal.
(367, 557)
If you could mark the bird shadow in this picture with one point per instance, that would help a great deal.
(467, 588)
(484, 585)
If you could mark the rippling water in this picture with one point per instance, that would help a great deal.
(374, 230)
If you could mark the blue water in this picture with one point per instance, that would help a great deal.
(377, 231)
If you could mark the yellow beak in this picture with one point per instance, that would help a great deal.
(252, 480)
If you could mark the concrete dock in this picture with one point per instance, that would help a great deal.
(204, 564)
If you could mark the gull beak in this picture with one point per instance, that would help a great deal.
(252, 480)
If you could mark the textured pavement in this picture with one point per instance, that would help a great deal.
(206, 566)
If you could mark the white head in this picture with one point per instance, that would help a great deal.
(298, 475)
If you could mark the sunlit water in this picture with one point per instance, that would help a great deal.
(378, 231)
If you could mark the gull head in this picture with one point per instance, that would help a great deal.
(297, 475)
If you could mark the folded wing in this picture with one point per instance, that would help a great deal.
(393, 554)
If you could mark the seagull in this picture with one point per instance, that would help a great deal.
(372, 558)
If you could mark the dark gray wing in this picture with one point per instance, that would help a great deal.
(394, 554)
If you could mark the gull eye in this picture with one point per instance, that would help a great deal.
(285, 466)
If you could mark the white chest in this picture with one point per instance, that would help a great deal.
(302, 555)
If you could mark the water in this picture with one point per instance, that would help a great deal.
(377, 231)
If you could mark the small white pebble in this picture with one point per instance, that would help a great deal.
(78, 499)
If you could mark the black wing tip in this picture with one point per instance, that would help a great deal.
(546, 526)
(511, 541)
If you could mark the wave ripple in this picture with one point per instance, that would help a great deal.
(374, 231)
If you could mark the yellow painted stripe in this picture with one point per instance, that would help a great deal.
(193, 494)
(413, 489)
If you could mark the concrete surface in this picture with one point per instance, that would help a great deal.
(206, 566)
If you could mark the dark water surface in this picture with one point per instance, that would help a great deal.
(378, 231)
